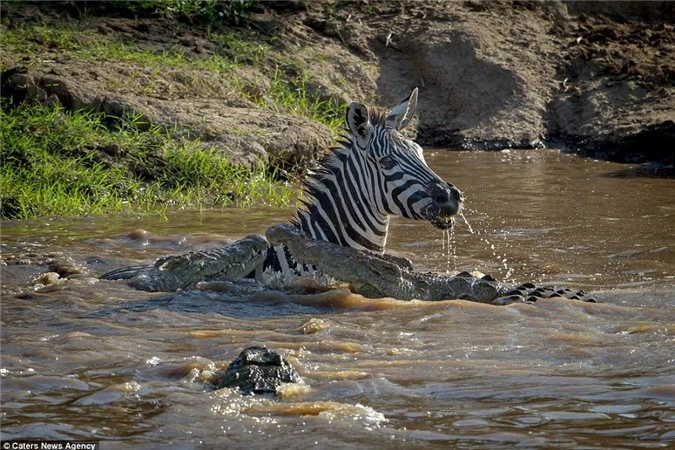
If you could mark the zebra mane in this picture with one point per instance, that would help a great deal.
(337, 155)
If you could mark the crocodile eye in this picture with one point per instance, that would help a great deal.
(387, 162)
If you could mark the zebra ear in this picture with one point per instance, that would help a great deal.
(358, 120)
(400, 116)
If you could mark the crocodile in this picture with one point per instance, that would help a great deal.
(172, 273)
(377, 275)
(258, 370)
(370, 274)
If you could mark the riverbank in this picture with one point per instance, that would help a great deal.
(266, 83)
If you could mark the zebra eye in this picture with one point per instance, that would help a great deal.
(387, 162)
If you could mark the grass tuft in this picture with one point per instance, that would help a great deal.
(298, 97)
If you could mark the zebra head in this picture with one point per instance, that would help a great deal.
(376, 173)
(402, 183)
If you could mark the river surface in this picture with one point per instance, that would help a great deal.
(96, 360)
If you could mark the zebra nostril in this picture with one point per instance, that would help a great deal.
(441, 198)
(446, 198)
(442, 194)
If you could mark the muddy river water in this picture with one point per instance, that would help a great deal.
(96, 360)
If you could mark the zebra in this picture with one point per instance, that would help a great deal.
(374, 173)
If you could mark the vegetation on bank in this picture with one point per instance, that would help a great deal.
(70, 162)
(289, 88)
(57, 162)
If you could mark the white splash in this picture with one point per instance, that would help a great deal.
(450, 248)
(466, 221)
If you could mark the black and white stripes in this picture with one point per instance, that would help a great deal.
(374, 174)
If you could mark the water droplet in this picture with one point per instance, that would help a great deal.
(466, 221)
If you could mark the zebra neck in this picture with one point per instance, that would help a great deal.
(315, 223)
(343, 205)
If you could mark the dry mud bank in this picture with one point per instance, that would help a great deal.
(597, 78)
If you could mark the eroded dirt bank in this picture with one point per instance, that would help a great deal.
(597, 78)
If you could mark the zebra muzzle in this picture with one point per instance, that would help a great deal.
(446, 202)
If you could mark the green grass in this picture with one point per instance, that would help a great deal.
(231, 12)
(72, 163)
(239, 50)
(298, 97)
(74, 42)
